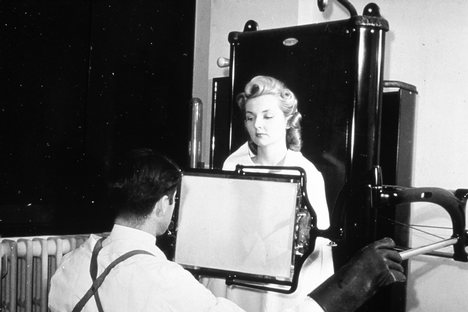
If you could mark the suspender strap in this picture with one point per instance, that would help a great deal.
(97, 282)
(93, 266)
(93, 269)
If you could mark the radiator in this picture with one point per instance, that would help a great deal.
(26, 266)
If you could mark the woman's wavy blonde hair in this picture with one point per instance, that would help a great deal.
(263, 85)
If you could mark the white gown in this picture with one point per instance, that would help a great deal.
(318, 266)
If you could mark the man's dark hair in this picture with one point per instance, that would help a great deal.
(139, 180)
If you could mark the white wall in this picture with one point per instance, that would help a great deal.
(426, 47)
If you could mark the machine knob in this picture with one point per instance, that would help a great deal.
(223, 62)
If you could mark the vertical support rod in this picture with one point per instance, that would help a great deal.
(365, 134)
(196, 106)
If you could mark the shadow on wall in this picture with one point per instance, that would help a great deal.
(423, 270)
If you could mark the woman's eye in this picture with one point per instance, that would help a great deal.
(248, 118)
(269, 116)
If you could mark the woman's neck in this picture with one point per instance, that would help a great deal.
(271, 155)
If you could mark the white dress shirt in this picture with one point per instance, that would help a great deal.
(140, 283)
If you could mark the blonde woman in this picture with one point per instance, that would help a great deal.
(272, 121)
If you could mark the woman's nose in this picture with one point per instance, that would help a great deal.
(258, 123)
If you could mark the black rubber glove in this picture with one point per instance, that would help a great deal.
(375, 266)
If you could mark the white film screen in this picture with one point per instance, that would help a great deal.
(236, 225)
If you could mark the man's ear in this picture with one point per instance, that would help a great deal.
(162, 206)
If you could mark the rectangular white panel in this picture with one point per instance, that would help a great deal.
(237, 225)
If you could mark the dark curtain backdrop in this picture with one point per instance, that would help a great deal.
(82, 81)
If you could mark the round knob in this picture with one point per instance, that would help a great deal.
(223, 62)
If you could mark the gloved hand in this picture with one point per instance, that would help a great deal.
(375, 266)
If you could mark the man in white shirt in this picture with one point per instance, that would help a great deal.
(128, 272)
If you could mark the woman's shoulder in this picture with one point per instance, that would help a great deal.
(297, 159)
(239, 157)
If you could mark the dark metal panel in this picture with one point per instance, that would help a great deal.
(396, 160)
(320, 69)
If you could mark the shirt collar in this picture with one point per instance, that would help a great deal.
(128, 233)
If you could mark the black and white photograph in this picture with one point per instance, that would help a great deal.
(233, 156)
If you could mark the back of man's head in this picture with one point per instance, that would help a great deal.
(139, 180)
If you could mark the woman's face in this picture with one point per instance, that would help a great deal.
(265, 121)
